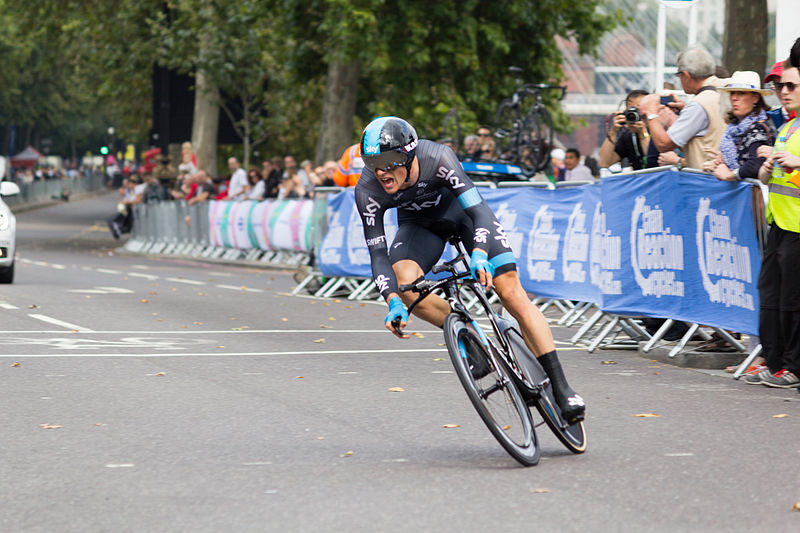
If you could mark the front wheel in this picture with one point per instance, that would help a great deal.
(7, 274)
(573, 436)
(491, 391)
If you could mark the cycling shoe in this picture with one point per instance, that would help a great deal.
(572, 406)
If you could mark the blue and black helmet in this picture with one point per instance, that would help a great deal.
(388, 142)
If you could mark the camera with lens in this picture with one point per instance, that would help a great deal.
(632, 115)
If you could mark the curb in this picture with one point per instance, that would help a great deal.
(691, 359)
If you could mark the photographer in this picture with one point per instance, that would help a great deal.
(627, 138)
(700, 125)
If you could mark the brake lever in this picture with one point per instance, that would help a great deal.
(396, 325)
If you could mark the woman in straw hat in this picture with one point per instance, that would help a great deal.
(748, 128)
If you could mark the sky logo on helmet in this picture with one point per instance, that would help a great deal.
(371, 149)
(410, 146)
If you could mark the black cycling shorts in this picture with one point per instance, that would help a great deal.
(424, 246)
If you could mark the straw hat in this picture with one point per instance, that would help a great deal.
(745, 81)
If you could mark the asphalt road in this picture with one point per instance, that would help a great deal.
(146, 394)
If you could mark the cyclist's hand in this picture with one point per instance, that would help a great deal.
(396, 310)
(482, 270)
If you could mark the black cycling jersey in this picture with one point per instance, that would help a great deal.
(443, 201)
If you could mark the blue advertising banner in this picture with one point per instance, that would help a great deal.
(668, 244)
(343, 251)
(688, 249)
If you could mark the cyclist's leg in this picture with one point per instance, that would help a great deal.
(413, 252)
(537, 335)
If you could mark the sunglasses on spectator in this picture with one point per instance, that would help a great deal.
(790, 85)
(483, 134)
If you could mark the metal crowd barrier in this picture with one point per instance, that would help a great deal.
(55, 189)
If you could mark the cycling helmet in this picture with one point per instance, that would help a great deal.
(387, 143)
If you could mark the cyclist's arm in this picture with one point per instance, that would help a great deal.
(371, 211)
(470, 200)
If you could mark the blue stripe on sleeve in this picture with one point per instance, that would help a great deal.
(469, 198)
(502, 259)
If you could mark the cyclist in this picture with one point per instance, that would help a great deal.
(435, 200)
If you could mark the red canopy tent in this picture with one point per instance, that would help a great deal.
(26, 158)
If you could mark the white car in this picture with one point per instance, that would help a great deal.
(8, 232)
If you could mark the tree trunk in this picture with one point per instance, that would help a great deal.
(205, 123)
(338, 109)
(742, 47)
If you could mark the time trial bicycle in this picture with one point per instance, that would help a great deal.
(498, 372)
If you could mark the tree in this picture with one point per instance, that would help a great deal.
(744, 48)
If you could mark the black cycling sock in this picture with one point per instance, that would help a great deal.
(561, 389)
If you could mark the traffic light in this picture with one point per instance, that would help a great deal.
(104, 150)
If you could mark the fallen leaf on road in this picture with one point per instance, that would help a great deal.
(780, 416)
(608, 362)
(418, 335)
(284, 319)
(796, 507)
(331, 318)
(50, 426)
(320, 340)
(397, 389)
(33, 306)
(647, 415)
(15, 364)
(320, 438)
(160, 374)
(144, 300)
(346, 454)
(300, 377)
(336, 301)
(450, 426)
(540, 491)
(438, 359)
(325, 326)
(218, 346)
(506, 428)
(362, 305)
(441, 344)
(184, 327)
(155, 314)
(197, 323)
(348, 306)
(74, 331)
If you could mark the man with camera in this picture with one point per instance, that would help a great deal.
(627, 138)
(700, 125)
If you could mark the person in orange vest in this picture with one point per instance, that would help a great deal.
(349, 169)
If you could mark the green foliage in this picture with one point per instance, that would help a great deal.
(418, 58)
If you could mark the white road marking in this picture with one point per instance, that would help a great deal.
(187, 281)
(58, 267)
(442, 372)
(218, 332)
(220, 354)
(8, 306)
(151, 277)
(239, 288)
(103, 290)
(121, 465)
(679, 455)
(56, 322)
(108, 271)
(257, 463)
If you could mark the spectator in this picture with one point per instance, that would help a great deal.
(778, 282)
(257, 185)
(291, 169)
(748, 129)
(575, 170)
(272, 172)
(699, 125)
(203, 189)
(187, 154)
(313, 178)
(165, 171)
(349, 169)
(238, 187)
(471, 146)
(292, 186)
(328, 171)
(779, 115)
(154, 191)
(187, 166)
(626, 140)
(487, 146)
(132, 192)
(557, 156)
